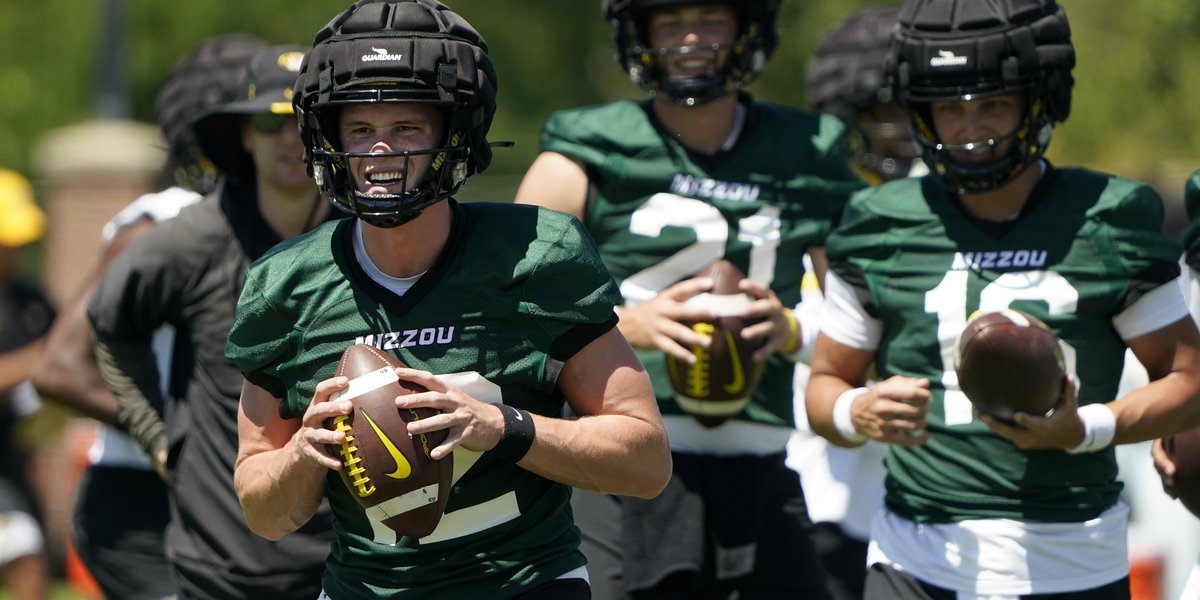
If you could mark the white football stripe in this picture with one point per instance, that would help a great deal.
(1016, 317)
(714, 408)
(722, 305)
(404, 503)
(365, 384)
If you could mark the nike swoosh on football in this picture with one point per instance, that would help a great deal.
(403, 469)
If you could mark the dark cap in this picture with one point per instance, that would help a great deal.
(266, 88)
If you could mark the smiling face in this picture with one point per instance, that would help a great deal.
(385, 128)
(974, 122)
(695, 28)
(273, 142)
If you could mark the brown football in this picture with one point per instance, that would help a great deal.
(1184, 450)
(719, 384)
(387, 470)
(1009, 361)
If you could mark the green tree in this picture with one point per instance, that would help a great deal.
(1132, 97)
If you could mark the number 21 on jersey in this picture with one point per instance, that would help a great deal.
(761, 230)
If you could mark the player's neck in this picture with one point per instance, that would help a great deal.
(704, 128)
(412, 248)
(1005, 202)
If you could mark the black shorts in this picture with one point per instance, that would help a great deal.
(724, 527)
(886, 583)
(120, 516)
(844, 558)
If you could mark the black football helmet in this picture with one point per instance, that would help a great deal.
(845, 77)
(208, 76)
(402, 51)
(947, 50)
(748, 55)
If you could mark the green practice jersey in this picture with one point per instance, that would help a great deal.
(1085, 248)
(660, 213)
(516, 292)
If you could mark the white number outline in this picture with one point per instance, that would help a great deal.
(948, 300)
(761, 230)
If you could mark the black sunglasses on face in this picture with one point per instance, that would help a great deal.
(269, 122)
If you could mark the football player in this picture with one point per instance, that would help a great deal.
(186, 272)
(395, 101)
(845, 77)
(975, 506)
(697, 173)
(1191, 245)
(121, 503)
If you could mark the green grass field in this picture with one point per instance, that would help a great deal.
(60, 591)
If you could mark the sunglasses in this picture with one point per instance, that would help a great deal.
(270, 122)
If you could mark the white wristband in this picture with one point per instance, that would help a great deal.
(841, 415)
(1099, 428)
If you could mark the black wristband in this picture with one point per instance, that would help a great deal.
(518, 434)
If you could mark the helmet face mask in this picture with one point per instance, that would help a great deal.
(438, 177)
(396, 52)
(956, 50)
(687, 90)
(737, 63)
(882, 148)
(1012, 151)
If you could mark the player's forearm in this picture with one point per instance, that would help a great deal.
(1165, 406)
(132, 375)
(77, 387)
(66, 373)
(820, 398)
(279, 492)
(612, 454)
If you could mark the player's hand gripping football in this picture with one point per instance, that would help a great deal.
(657, 323)
(1061, 428)
(893, 411)
(773, 322)
(1165, 467)
(470, 423)
(313, 440)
